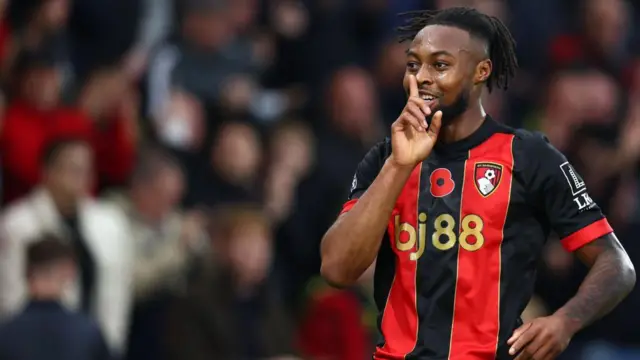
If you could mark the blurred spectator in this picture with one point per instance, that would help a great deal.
(231, 173)
(233, 310)
(602, 40)
(35, 117)
(164, 237)
(388, 73)
(97, 231)
(44, 329)
(275, 102)
(165, 240)
(155, 23)
(180, 123)
(32, 24)
(219, 58)
(111, 105)
(333, 326)
(5, 32)
(209, 52)
(291, 160)
(108, 32)
(350, 124)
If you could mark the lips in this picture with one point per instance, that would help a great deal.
(430, 99)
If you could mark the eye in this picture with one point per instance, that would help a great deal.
(439, 65)
(413, 66)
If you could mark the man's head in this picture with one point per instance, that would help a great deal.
(236, 153)
(50, 15)
(40, 76)
(454, 53)
(352, 101)
(157, 184)
(206, 24)
(606, 24)
(67, 167)
(50, 267)
(243, 239)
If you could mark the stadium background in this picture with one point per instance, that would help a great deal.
(227, 134)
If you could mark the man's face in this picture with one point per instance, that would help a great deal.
(237, 154)
(250, 254)
(208, 29)
(162, 194)
(445, 61)
(42, 87)
(353, 104)
(71, 174)
(53, 14)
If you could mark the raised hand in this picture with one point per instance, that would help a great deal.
(412, 139)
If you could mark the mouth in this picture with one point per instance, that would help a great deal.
(430, 99)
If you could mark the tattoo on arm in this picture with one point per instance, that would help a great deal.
(610, 279)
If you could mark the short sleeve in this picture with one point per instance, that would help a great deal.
(561, 193)
(366, 172)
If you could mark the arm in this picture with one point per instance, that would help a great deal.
(115, 290)
(352, 243)
(585, 231)
(115, 145)
(559, 192)
(610, 279)
(12, 284)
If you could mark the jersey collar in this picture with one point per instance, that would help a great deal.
(462, 147)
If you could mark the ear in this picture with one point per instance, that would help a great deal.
(483, 71)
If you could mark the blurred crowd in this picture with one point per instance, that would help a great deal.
(169, 166)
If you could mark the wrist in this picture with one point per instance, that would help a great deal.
(571, 324)
(397, 167)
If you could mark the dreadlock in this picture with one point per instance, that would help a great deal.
(489, 28)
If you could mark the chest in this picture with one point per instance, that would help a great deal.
(450, 204)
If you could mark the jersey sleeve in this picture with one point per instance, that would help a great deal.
(366, 172)
(561, 195)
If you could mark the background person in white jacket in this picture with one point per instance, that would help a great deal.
(98, 232)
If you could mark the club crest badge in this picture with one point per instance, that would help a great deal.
(487, 177)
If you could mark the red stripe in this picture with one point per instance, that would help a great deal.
(476, 315)
(586, 235)
(348, 205)
(400, 317)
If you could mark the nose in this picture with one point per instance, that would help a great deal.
(424, 76)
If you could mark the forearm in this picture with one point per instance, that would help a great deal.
(608, 282)
(352, 243)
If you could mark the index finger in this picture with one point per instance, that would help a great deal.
(413, 86)
(523, 341)
(519, 331)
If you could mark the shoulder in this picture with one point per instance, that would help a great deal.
(379, 152)
(10, 323)
(530, 139)
(18, 217)
(101, 214)
(105, 210)
(86, 323)
(533, 148)
(371, 164)
(18, 210)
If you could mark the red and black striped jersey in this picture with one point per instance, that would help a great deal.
(458, 262)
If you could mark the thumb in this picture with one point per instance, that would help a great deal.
(436, 123)
(518, 332)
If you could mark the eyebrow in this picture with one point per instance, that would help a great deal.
(437, 53)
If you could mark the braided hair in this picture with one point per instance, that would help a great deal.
(501, 44)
